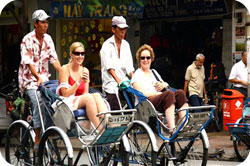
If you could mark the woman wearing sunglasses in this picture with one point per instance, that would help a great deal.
(145, 81)
(74, 85)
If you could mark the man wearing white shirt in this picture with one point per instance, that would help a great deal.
(116, 61)
(238, 75)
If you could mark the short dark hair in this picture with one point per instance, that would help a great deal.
(243, 52)
(36, 21)
(114, 26)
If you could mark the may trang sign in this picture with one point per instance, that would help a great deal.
(74, 10)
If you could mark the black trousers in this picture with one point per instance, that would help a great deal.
(113, 101)
(241, 90)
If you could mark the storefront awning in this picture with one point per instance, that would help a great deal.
(75, 10)
(183, 8)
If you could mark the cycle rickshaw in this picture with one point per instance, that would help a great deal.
(181, 147)
(240, 130)
(55, 147)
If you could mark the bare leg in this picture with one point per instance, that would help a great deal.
(101, 106)
(88, 102)
(169, 113)
(37, 138)
(182, 114)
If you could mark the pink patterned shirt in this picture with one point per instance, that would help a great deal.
(31, 54)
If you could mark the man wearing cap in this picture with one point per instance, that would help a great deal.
(37, 50)
(116, 61)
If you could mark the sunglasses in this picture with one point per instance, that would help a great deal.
(145, 57)
(78, 53)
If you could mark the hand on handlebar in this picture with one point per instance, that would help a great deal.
(206, 99)
(124, 84)
(39, 81)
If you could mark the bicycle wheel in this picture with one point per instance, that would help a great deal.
(141, 146)
(103, 155)
(241, 150)
(197, 154)
(218, 116)
(124, 155)
(19, 144)
(55, 148)
(218, 119)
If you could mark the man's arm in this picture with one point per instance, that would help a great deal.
(187, 79)
(236, 81)
(112, 72)
(186, 86)
(35, 74)
(205, 93)
(131, 74)
(57, 66)
(233, 77)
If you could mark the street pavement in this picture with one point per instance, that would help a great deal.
(221, 146)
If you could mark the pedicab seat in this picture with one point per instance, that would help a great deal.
(80, 112)
(52, 85)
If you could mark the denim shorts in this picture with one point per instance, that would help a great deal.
(31, 93)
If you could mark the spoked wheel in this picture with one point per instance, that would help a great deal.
(141, 146)
(105, 155)
(19, 145)
(55, 148)
(218, 119)
(241, 150)
(196, 156)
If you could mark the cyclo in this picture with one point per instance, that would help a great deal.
(240, 130)
(55, 147)
(188, 145)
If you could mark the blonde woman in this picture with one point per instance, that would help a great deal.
(74, 84)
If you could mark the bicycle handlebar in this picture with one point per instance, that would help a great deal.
(3, 95)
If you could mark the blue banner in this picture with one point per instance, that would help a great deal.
(74, 10)
(183, 8)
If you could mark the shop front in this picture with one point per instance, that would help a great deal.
(77, 23)
(178, 30)
(9, 46)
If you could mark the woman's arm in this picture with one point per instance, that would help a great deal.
(160, 86)
(63, 78)
(140, 87)
(85, 76)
